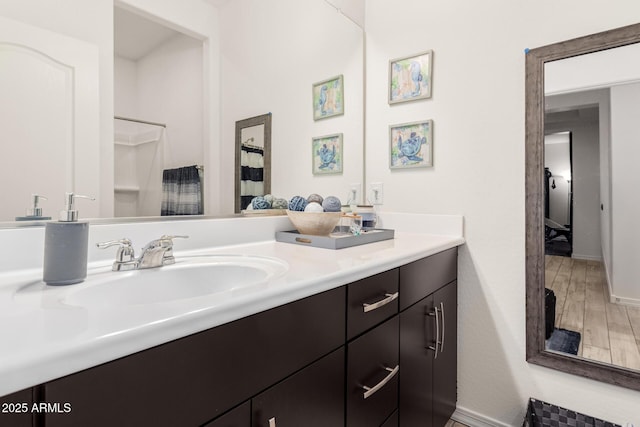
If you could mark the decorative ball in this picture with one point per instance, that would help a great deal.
(314, 207)
(332, 204)
(260, 203)
(280, 204)
(297, 203)
(269, 198)
(315, 198)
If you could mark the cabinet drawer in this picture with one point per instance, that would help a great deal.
(194, 379)
(372, 367)
(392, 421)
(370, 301)
(313, 397)
(238, 417)
(15, 409)
(423, 277)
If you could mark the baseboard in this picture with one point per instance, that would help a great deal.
(607, 275)
(474, 419)
(586, 257)
(625, 301)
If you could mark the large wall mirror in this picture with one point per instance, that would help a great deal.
(268, 54)
(583, 296)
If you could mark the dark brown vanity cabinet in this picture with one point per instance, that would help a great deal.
(313, 397)
(428, 341)
(372, 375)
(16, 409)
(380, 351)
(193, 380)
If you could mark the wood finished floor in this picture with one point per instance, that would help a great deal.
(610, 332)
(452, 423)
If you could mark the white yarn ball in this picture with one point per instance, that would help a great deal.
(313, 207)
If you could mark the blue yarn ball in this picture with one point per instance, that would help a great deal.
(297, 203)
(260, 203)
(332, 204)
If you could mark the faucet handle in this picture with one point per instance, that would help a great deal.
(166, 237)
(125, 251)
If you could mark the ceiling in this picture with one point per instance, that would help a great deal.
(135, 36)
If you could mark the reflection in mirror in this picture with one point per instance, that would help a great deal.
(265, 60)
(583, 303)
(272, 54)
(48, 121)
(159, 127)
(253, 160)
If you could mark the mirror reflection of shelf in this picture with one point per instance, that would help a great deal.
(138, 165)
(134, 132)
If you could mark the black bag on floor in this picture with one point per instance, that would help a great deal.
(549, 312)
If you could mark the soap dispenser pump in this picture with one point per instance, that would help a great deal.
(66, 244)
(34, 213)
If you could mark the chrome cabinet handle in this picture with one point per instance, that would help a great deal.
(434, 347)
(272, 422)
(369, 391)
(370, 307)
(442, 314)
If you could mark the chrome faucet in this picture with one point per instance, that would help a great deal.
(125, 256)
(156, 253)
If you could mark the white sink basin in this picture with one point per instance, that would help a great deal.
(189, 277)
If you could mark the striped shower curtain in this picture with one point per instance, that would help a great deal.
(251, 174)
(181, 192)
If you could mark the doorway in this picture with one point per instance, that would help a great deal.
(558, 200)
(159, 110)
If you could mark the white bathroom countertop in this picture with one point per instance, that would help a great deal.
(43, 338)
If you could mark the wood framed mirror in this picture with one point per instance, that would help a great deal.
(536, 347)
(253, 160)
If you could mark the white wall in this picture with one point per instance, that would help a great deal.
(125, 87)
(170, 91)
(625, 181)
(478, 113)
(271, 68)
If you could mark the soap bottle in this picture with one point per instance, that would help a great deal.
(66, 245)
(34, 213)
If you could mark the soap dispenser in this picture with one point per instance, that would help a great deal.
(66, 245)
(34, 213)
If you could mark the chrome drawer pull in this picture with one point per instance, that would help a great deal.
(435, 346)
(442, 313)
(389, 297)
(272, 422)
(369, 391)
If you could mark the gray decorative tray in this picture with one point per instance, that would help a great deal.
(336, 240)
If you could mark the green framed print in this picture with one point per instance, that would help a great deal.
(410, 77)
(327, 155)
(328, 98)
(411, 145)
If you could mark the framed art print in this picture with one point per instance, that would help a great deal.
(328, 98)
(326, 152)
(410, 78)
(411, 145)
